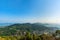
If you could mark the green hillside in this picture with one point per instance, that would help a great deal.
(17, 28)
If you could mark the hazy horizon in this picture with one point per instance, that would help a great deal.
(30, 11)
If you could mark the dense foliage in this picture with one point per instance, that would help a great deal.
(28, 31)
(29, 36)
(13, 29)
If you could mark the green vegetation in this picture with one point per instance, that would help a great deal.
(19, 28)
(28, 31)
(29, 36)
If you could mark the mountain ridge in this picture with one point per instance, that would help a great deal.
(14, 28)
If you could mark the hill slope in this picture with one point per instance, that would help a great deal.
(17, 28)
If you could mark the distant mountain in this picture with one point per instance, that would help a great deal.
(35, 27)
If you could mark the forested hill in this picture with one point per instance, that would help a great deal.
(13, 29)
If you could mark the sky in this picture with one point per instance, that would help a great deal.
(22, 11)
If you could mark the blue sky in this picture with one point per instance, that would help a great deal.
(21, 11)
